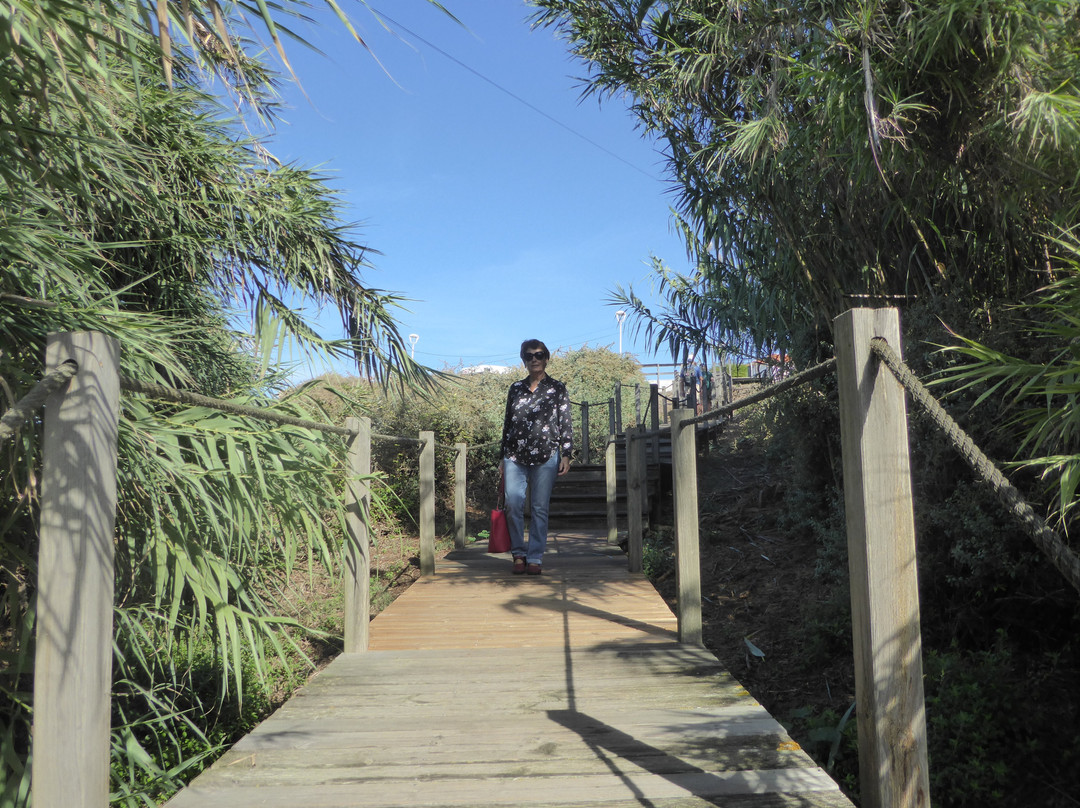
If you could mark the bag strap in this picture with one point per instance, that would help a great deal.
(500, 503)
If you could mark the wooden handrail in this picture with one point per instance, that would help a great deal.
(880, 536)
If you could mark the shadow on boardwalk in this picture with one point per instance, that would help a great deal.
(487, 689)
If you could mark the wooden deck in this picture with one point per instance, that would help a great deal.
(487, 689)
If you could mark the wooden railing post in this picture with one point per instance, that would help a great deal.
(585, 455)
(618, 408)
(687, 552)
(459, 495)
(611, 490)
(73, 654)
(427, 503)
(357, 546)
(635, 473)
(654, 423)
(881, 559)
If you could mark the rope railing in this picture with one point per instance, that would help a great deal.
(164, 393)
(24, 409)
(815, 372)
(589, 403)
(1060, 555)
(683, 454)
(161, 392)
(394, 438)
(1066, 561)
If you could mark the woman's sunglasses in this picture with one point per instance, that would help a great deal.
(529, 356)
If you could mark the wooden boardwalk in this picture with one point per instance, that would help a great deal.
(487, 689)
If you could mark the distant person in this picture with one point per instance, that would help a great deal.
(538, 436)
(699, 388)
(686, 378)
(692, 375)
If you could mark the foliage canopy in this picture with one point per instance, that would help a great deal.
(826, 154)
(133, 202)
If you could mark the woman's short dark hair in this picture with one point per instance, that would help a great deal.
(532, 345)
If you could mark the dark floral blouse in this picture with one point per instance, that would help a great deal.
(537, 423)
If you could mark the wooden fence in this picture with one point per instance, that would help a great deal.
(881, 551)
(73, 665)
(73, 655)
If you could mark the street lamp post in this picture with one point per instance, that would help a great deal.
(620, 315)
(413, 339)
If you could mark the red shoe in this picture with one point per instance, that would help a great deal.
(535, 569)
(519, 565)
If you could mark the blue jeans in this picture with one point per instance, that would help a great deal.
(539, 480)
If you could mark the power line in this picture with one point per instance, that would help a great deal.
(513, 95)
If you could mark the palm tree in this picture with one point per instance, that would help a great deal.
(131, 203)
(825, 154)
(923, 154)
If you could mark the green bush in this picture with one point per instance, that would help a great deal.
(591, 375)
(465, 408)
(658, 552)
(973, 713)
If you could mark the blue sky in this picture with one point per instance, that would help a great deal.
(497, 222)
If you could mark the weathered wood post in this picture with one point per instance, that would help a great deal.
(654, 423)
(357, 547)
(427, 503)
(459, 494)
(585, 432)
(611, 490)
(635, 479)
(687, 553)
(618, 408)
(881, 560)
(637, 404)
(73, 655)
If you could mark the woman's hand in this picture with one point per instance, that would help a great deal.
(564, 465)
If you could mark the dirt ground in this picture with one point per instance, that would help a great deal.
(758, 585)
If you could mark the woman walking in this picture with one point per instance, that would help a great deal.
(538, 436)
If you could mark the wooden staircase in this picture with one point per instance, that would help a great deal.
(580, 497)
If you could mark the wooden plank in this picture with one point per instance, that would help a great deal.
(73, 650)
(521, 790)
(487, 689)
(882, 566)
(375, 762)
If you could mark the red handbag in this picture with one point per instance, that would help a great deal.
(499, 537)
